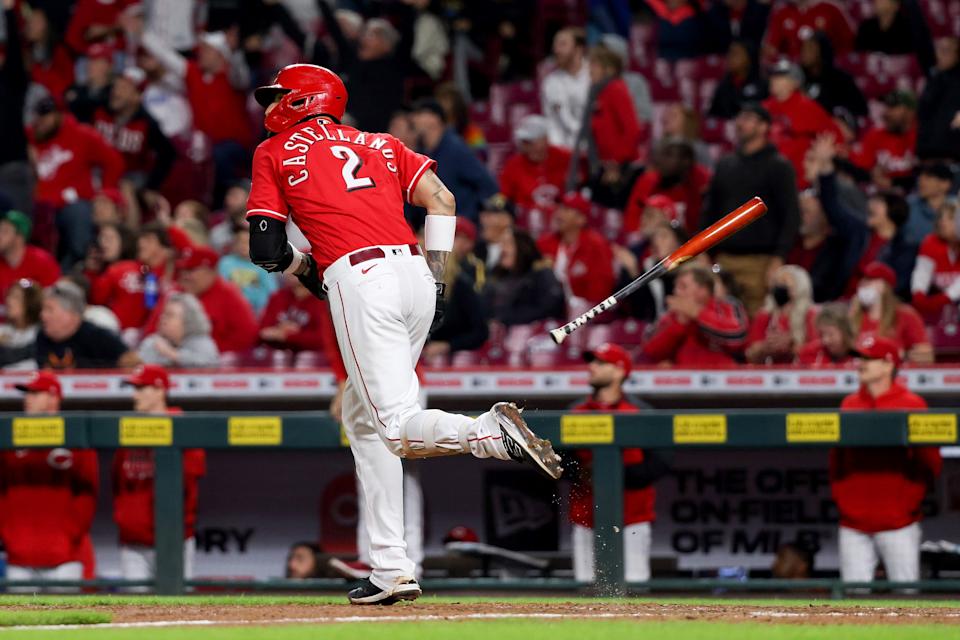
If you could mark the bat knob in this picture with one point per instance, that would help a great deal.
(558, 335)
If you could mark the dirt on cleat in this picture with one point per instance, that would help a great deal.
(535, 449)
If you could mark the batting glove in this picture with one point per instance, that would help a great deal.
(311, 279)
(441, 307)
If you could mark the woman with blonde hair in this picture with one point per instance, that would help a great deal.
(876, 310)
(787, 321)
(183, 337)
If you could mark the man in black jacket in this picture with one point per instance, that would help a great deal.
(756, 168)
(16, 182)
(938, 116)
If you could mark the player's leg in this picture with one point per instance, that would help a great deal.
(65, 571)
(900, 551)
(581, 540)
(380, 475)
(858, 555)
(136, 563)
(413, 515)
(17, 572)
(636, 552)
(189, 557)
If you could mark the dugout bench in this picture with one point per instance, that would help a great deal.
(605, 434)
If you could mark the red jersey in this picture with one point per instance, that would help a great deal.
(343, 188)
(892, 152)
(614, 124)
(796, 122)
(687, 197)
(908, 328)
(531, 184)
(129, 137)
(766, 324)
(66, 162)
(56, 73)
(133, 473)
(785, 24)
(637, 503)
(815, 354)
(120, 288)
(934, 284)
(718, 331)
(47, 501)
(219, 110)
(882, 488)
(587, 264)
(306, 313)
(37, 265)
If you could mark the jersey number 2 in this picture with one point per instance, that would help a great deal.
(351, 167)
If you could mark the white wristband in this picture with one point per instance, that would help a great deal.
(297, 260)
(439, 232)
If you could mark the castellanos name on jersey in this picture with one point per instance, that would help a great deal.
(305, 137)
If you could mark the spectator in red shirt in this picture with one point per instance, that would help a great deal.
(876, 311)
(133, 288)
(582, 258)
(787, 22)
(148, 155)
(879, 491)
(534, 176)
(835, 340)
(216, 84)
(699, 329)
(611, 128)
(132, 473)
(935, 283)
(609, 369)
(66, 155)
(48, 498)
(19, 260)
(293, 319)
(675, 175)
(785, 324)
(797, 118)
(234, 326)
(887, 153)
(50, 61)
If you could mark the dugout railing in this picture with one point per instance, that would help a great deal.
(604, 434)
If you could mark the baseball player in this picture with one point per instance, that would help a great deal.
(47, 499)
(133, 484)
(345, 190)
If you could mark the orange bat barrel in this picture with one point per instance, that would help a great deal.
(717, 232)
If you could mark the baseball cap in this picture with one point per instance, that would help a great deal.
(196, 257)
(610, 353)
(465, 227)
(784, 67)
(46, 105)
(461, 533)
(901, 98)
(42, 381)
(664, 204)
(100, 50)
(756, 109)
(532, 127)
(880, 271)
(576, 201)
(149, 375)
(216, 40)
(498, 203)
(20, 221)
(873, 347)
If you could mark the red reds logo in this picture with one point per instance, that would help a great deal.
(60, 459)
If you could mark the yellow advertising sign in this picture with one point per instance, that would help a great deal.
(813, 427)
(700, 429)
(932, 428)
(47, 431)
(586, 429)
(146, 431)
(255, 430)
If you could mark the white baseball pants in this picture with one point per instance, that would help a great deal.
(139, 562)
(382, 310)
(636, 552)
(65, 571)
(899, 549)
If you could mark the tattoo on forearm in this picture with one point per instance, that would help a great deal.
(437, 262)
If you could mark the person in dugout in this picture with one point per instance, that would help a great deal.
(47, 500)
(609, 368)
(879, 491)
(133, 484)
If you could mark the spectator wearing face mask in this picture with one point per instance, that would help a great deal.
(785, 324)
(834, 338)
(936, 277)
(876, 311)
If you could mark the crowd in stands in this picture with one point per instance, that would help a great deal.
(582, 147)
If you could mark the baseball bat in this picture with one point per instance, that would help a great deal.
(718, 231)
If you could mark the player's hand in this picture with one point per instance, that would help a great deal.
(440, 309)
(311, 279)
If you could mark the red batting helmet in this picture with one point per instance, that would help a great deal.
(309, 90)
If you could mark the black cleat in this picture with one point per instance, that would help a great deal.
(522, 444)
(369, 593)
